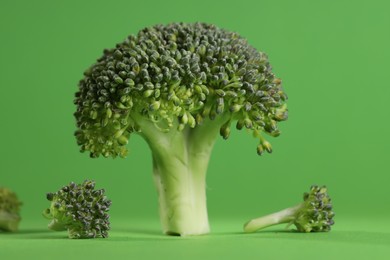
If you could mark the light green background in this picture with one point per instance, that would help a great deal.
(333, 57)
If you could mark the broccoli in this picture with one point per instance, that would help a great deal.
(9, 210)
(314, 214)
(80, 209)
(178, 86)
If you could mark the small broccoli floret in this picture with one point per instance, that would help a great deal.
(314, 214)
(178, 86)
(9, 210)
(80, 209)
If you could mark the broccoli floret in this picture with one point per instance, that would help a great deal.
(314, 214)
(9, 210)
(80, 209)
(178, 86)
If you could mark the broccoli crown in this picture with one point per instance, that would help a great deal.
(9, 201)
(80, 209)
(316, 213)
(177, 75)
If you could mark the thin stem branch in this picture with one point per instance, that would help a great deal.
(280, 217)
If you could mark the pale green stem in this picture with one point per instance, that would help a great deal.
(56, 225)
(180, 161)
(9, 222)
(283, 216)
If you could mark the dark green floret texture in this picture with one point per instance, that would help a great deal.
(317, 213)
(80, 209)
(177, 76)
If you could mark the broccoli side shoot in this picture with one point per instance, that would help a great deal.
(314, 214)
(79, 209)
(178, 86)
(9, 210)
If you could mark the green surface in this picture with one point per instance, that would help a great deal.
(142, 240)
(333, 59)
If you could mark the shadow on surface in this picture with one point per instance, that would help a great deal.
(140, 231)
(140, 234)
(145, 235)
(31, 231)
(350, 237)
(34, 234)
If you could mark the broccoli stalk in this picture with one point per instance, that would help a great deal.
(9, 210)
(180, 175)
(8, 221)
(314, 214)
(178, 86)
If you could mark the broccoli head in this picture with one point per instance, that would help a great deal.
(9, 210)
(314, 214)
(178, 86)
(80, 209)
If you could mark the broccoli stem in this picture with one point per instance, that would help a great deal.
(280, 217)
(56, 225)
(180, 161)
(182, 196)
(8, 221)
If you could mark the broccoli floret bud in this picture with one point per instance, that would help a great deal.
(79, 209)
(176, 76)
(9, 210)
(314, 214)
